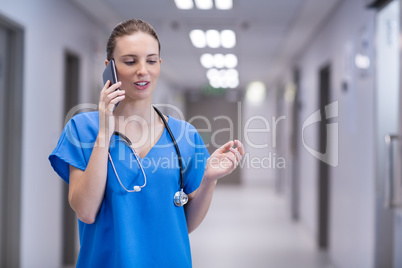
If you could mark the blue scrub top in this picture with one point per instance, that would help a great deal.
(141, 229)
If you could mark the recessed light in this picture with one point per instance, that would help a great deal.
(256, 92)
(223, 78)
(232, 73)
(224, 4)
(204, 4)
(228, 38)
(184, 4)
(198, 38)
(207, 60)
(212, 74)
(213, 38)
(219, 61)
(231, 61)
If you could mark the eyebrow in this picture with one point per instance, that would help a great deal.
(135, 56)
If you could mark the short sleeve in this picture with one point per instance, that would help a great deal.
(69, 151)
(194, 170)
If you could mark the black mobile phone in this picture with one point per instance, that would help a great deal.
(110, 73)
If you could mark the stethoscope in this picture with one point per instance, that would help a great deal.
(180, 198)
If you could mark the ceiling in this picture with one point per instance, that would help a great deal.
(269, 33)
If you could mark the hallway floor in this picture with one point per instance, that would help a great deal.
(250, 227)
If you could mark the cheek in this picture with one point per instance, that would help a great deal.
(155, 72)
(123, 74)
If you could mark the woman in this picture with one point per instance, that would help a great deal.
(123, 167)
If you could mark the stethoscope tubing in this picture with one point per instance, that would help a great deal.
(175, 146)
(127, 141)
(139, 163)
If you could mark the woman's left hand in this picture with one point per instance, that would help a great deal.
(224, 160)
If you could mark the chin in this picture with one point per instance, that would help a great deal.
(140, 96)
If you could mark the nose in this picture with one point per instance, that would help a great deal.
(142, 69)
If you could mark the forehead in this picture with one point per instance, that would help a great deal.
(138, 43)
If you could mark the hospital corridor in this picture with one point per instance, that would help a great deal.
(200, 133)
(237, 234)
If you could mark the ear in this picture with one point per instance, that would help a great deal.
(106, 62)
(160, 60)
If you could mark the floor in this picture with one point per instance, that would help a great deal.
(250, 227)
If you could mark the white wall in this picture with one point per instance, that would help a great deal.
(352, 182)
(51, 27)
(169, 97)
(259, 146)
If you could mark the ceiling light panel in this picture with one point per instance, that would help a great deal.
(231, 61)
(184, 4)
(256, 92)
(213, 38)
(219, 61)
(228, 39)
(224, 4)
(207, 60)
(225, 78)
(204, 4)
(198, 38)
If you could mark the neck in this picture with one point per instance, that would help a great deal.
(142, 110)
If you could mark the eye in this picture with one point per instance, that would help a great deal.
(152, 61)
(129, 62)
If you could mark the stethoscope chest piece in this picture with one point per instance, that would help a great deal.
(180, 198)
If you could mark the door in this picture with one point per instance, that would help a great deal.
(217, 121)
(70, 233)
(11, 70)
(388, 160)
(294, 145)
(323, 168)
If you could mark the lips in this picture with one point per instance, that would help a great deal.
(141, 85)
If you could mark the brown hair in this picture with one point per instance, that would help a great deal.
(126, 28)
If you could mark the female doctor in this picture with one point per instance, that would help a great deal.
(131, 169)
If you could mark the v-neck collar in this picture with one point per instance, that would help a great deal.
(126, 139)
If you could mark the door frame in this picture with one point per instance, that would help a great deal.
(11, 190)
(70, 249)
(386, 114)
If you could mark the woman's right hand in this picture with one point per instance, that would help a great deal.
(87, 188)
(109, 97)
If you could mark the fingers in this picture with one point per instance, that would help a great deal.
(240, 147)
(236, 154)
(233, 159)
(107, 88)
(114, 101)
(110, 96)
(106, 85)
(225, 147)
